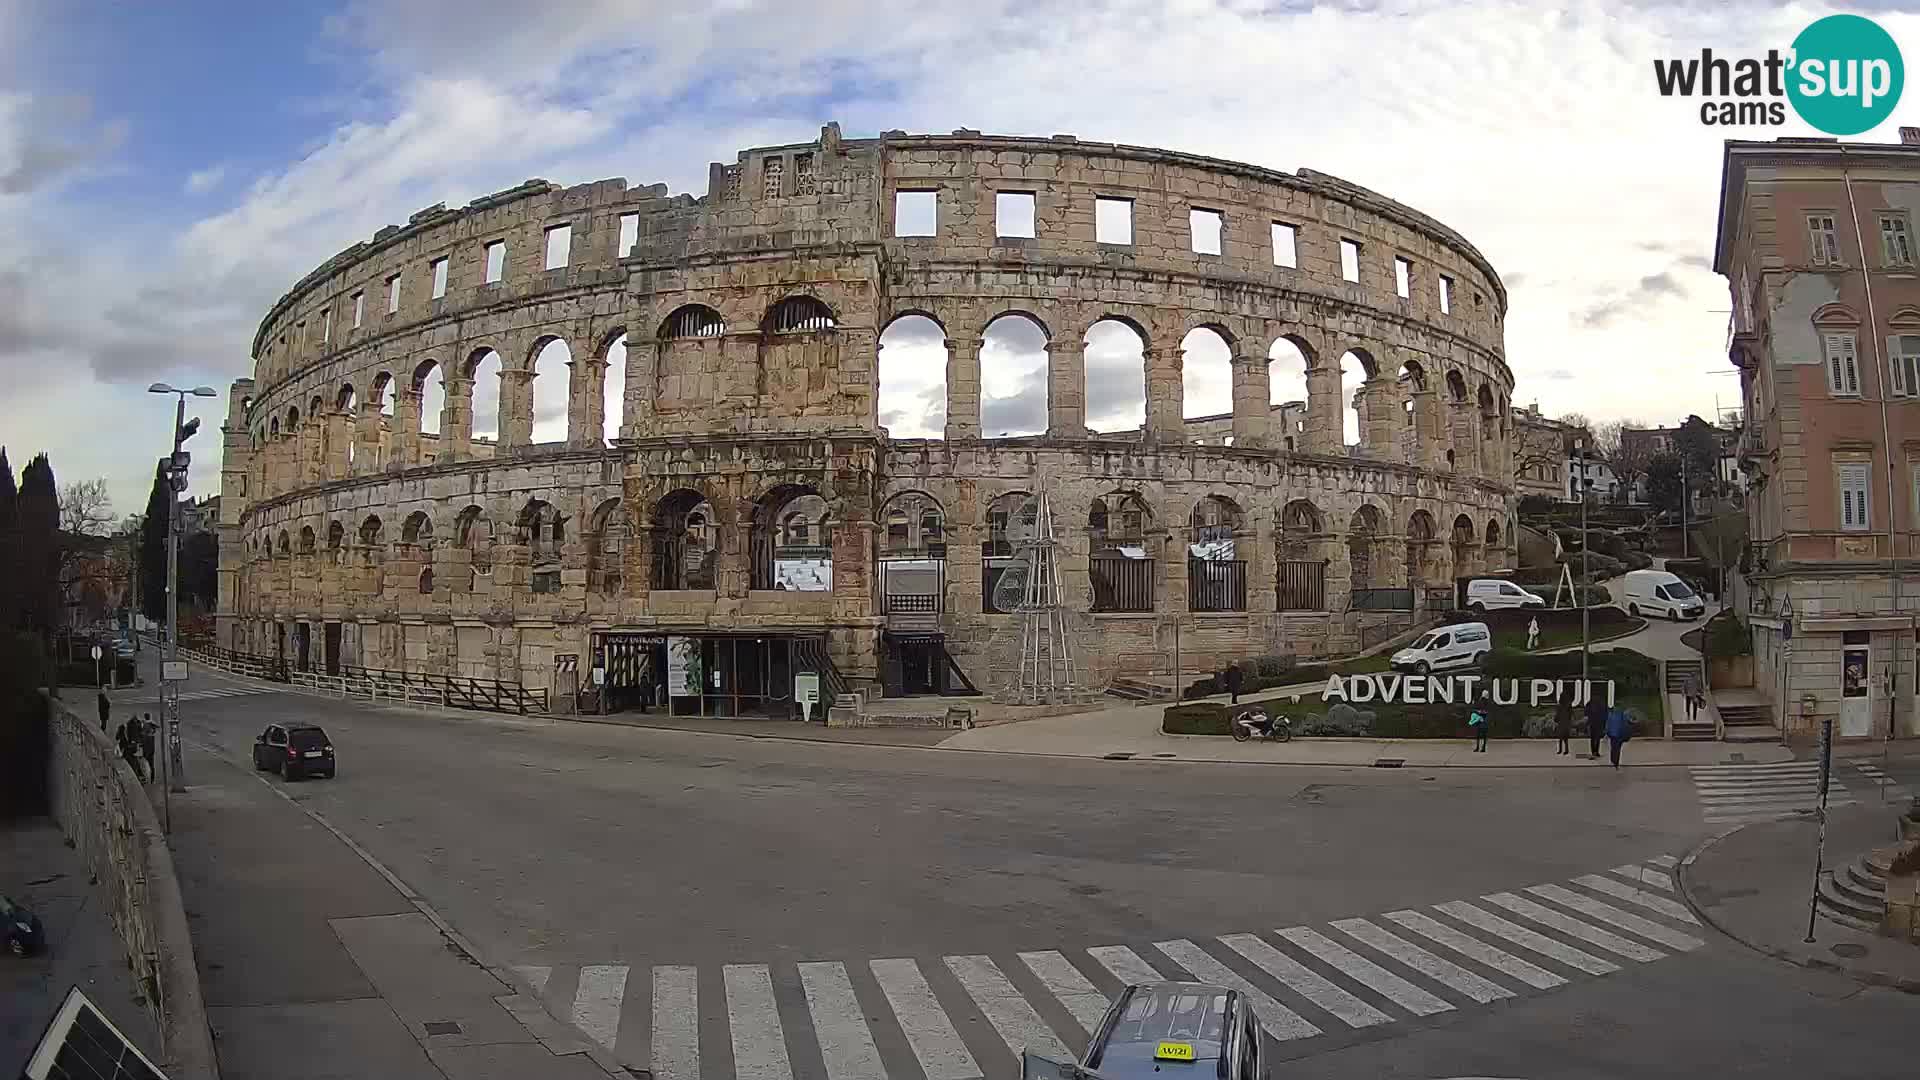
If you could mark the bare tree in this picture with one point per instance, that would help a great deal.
(1722, 539)
(85, 508)
(1537, 446)
(87, 575)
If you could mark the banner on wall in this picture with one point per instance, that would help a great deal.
(683, 667)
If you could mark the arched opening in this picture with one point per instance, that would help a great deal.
(542, 531)
(1287, 396)
(1011, 518)
(1356, 369)
(1301, 580)
(692, 340)
(1116, 390)
(682, 537)
(692, 321)
(429, 386)
(307, 541)
(1013, 377)
(1461, 543)
(1216, 575)
(426, 581)
(1363, 531)
(800, 315)
(1493, 534)
(1489, 428)
(336, 541)
(1420, 537)
(551, 371)
(380, 398)
(788, 545)
(285, 547)
(913, 563)
(613, 389)
(473, 533)
(912, 402)
(607, 536)
(347, 403)
(1124, 565)
(485, 375)
(1206, 368)
(370, 540)
(417, 530)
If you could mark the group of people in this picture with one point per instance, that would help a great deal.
(135, 738)
(1613, 724)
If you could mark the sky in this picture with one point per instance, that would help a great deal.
(167, 171)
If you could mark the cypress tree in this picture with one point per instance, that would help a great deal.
(153, 548)
(9, 546)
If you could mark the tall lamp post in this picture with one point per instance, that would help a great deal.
(1586, 564)
(176, 463)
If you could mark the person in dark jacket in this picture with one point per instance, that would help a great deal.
(1479, 718)
(148, 732)
(1619, 730)
(129, 751)
(1233, 678)
(105, 706)
(1563, 719)
(1596, 722)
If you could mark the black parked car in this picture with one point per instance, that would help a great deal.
(294, 751)
(20, 928)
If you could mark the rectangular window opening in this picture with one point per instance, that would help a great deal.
(1825, 240)
(439, 277)
(1446, 295)
(1403, 277)
(1856, 503)
(1843, 369)
(326, 327)
(1895, 241)
(559, 246)
(1903, 362)
(1206, 226)
(1350, 260)
(916, 213)
(496, 260)
(629, 233)
(1286, 238)
(359, 309)
(1013, 213)
(393, 294)
(1112, 220)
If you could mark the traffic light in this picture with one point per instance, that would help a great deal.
(186, 430)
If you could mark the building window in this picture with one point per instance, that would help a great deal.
(439, 277)
(1350, 260)
(916, 213)
(1446, 295)
(1895, 242)
(1206, 227)
(1843, 370)
(1903, 362)
(326, 327)
(1112, 220)
(1013, 213)
(393, 294)
(1286, 244)
(1402, 277)
(1855, 502)
(559, 246)
(772, 171)
(629, 233)
(496, 260)
(1825, 239)
(803, 174)
(359, 309)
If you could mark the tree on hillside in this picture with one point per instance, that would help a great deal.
(86, 573)
(1629, 458)
(200, 570)
(1663, 480)
(85, 508)
(1722, 540)
(9, 544)
(1698, 444)
(153, 548)
(37, 526)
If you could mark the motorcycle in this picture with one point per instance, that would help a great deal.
(1256, 722)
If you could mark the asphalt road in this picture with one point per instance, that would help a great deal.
(577, 851)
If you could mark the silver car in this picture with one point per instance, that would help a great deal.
(1166, 1031)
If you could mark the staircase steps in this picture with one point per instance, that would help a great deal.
(1677, 672)
(1856, 894)
(1132, 689)
(1699, 731)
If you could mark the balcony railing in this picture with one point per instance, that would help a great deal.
(1216, 585)
(1122, 584)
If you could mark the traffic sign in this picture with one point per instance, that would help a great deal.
(173, 671)
(96, 652)
(806, 691)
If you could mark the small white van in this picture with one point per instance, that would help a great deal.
(1493, 594)
(1657, 592)
(1459, 645)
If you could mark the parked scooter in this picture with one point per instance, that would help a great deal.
(1256, 723)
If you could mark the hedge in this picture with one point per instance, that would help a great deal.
(1726, 635)
(1196, 718)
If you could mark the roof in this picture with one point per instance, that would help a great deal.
(1739, 154)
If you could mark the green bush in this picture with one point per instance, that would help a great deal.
(1260, 673)
(1631, 673)
(1726, 635)
(1195, 718)
(1594, 565)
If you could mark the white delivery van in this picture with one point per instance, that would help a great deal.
(1459, 645)
(1657, 592)
(1493, 594)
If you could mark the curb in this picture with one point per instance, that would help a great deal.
(1903, 983)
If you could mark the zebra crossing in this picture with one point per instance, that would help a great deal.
(1735, 794)
(967, 1017)
(1883, 784)
(210, 693)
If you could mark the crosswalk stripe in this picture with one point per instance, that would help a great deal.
(536, 976)
(846, 1043)
(1445, 972)
(1466, 945)
(1064, 982)
(1625, 920)
(1527, 939)
(1664, 860)
(759, 1042)
(676, 1023)
(1019, 1026)
(1281, 1021)
(1566, 924)
(1671, 909)
(1125, 964)
(1717, 788)
(1645, 876)
(1750, 768)
(929, 1033)
(1366, 972)
(596, 1004)
(1305, 981)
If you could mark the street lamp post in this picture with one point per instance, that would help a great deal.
(1586, 563)
(176, 470)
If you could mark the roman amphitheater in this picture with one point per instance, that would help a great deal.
(720, 483)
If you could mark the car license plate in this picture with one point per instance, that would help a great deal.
(1173, 1051)
(313, 753)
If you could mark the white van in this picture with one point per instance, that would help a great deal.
(1657, 592)
(1493, 594)
(1460, 645)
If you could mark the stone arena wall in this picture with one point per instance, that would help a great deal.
(751, 319)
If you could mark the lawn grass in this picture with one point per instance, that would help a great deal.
(1558, 637)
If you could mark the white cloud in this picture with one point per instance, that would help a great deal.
(201, 181)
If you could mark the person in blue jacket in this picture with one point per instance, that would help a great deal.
(1619, 730)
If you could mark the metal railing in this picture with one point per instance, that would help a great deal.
(1122, 584)
(1216, 585)
(912, 604)
(1380, 600)
(1301, 586)
(448, 691)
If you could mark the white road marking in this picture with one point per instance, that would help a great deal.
(536, 976)
(596, 1005)
(1280, 1021)
(1670, 908)
(1125, 964)
(1527, 939)
(1305, 981)
(1064, 981)
(1607, 913)
(759, 1042)
(1466, 945)
(1645, 876)
(1566, 924)
(676, 1023)
(846, 1043)
(1445, 972)
(1019, 1026)
(938, 1047)
(1366, 972)
(1668, 861)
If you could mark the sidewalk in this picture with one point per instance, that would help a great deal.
(1754, 882)
(38, 869)
(316, 965)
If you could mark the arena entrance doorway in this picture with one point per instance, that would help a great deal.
(726, 676)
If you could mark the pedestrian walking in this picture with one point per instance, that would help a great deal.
(1233, 678)
(1619, 730)
(1596, 723)
(1563, 719)
(1477, 724)
(1696, 695)
(125, 737)
(105, 706)
(148, 732)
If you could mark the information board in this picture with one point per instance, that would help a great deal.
(683, 667)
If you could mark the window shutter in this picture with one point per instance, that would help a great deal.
(1852, 369)
(1816, 243)
(1854, 502)
(1897, 382)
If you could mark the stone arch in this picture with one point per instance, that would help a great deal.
(1464, 544)
(426, 581)
(800, 313)
(1206, 372)
(431, 394)
(682, 535)
(307, 541)
(1014, 374)
(1215, 521)
(316, 408)
(550, 398)
(473, 533)
(1493, 534)
(1421, 538)
(1300, 563)
(613, 386)
(1120, 519)
(1456, 385)
(779, 557)
(273, 428)
(379, 393)
(482, 372)
(283, 545)
(336, 540)
(1363, 533)
(417, 530)
(692, 321)
(541, 529)
(608, 532)
(912, 522)
(346, 399)
(293, 420)
(911, 398)
(1116, 375)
